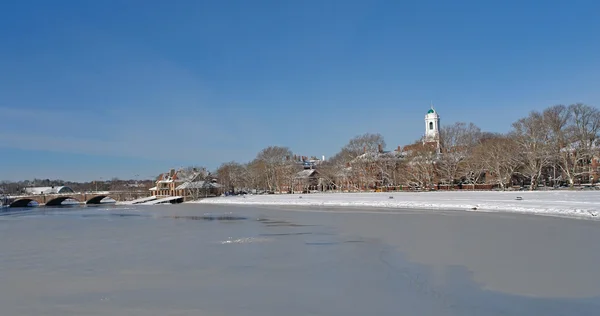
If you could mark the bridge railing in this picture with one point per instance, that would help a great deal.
(83, 193)
(49, 194)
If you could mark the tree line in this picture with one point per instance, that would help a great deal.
(555, 146)
(114, 184)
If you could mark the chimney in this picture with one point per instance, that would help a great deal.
(365, 149)
(380, 148)
(172, 172)
(399, 149)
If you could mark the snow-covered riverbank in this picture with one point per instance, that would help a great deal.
(583, 204)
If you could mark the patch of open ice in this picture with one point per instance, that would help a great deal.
(245, 240)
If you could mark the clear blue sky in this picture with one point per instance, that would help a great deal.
(92, 89)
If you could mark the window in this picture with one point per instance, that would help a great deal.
(431, 125)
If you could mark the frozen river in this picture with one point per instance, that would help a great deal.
(194, 259)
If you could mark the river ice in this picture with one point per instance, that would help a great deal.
(196, 259)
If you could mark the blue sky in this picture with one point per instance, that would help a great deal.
(92, 89)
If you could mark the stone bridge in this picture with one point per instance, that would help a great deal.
(83, 198)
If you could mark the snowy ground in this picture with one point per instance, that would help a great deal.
(556, 203)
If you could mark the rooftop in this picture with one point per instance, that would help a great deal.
(198, 185)
(48, 190)
(304, 174)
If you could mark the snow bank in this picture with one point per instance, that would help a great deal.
(583, 204)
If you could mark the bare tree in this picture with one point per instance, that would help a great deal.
(362, 154)
(558, 119)
(277, 161)
(255, 175)
(335, 172)
(499, 158)
(289, 175)
(363, 143)
(457, 142)
(586, 121)
(328, 176)
(473, 168)
(420, 168)
(385, 168)
(364, 174)
(232, 175)
(582, 143)
(117, 185)
(533, 138)
(192, 171)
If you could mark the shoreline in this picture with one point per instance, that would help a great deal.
(583, 205)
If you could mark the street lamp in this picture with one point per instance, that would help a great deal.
(136, 183)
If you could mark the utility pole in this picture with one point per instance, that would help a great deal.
(136, 184)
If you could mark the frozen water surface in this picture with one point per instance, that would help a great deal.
(198, 259)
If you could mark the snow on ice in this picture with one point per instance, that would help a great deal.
(582, 204)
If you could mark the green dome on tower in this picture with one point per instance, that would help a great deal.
(430, 111)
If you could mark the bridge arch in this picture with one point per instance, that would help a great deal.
(58, 200)
(23, 203)
(97, 199)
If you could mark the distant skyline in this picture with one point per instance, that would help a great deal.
(92, 89)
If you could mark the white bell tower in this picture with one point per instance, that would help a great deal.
(432, 126)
